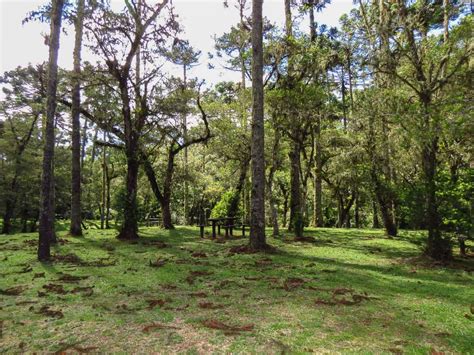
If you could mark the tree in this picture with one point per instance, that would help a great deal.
(46, 227)
(137, 27)
(75, 228)
(257, 211)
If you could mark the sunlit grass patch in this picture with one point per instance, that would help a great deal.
(348, 291)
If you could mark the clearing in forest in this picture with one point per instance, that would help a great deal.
(170, 291)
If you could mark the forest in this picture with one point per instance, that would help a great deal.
(340, 166)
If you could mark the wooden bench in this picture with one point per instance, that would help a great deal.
(153, 222)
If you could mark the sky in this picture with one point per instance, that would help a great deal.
(201, 19)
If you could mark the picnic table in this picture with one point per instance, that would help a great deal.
(228, 223)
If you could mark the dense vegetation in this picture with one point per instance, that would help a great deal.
(329, 132)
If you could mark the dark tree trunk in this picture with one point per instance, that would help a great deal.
(438, 247)
(234, 204)
(11, 201)
(84, 141)
(344, 209)
(75, 228)
(382, 192)
(7, 224)
(284, 192)
(46, 228)
(375, 215)
(272, 202)
(167, 186)
(318, 180)
(167, 222)
(130, 224)
(296, 212)
(107, 213)
(357, 212)
(257, 209)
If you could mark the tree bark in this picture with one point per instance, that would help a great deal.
(75, 227)
(257, 213)
(296, 213)
(46, 227)
(234, 204)
(318, 179)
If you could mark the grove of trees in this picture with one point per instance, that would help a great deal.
(368, 125)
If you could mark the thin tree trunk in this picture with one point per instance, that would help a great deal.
(257, 214)
(75, 227)
(375, 215)
(104, 186)
(84, 141)
(318, 180)
(46, 228)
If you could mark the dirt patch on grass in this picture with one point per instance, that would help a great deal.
(228, 329)
(71, 278)
(345, 297)
(209, 305)
(155, 303)
(193, 275)
(48, 312)
(154, 326)
(13, 291)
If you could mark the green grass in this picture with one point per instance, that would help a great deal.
(404, 303)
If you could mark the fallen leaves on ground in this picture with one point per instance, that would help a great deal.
(13, 291)
(155, 326)
(153, 303)
(71, 278)
(45, 310)
(209, 305)
(292, 283)
(228, 329)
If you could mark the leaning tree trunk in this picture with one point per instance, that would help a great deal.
(257, 209)
(75, 228)
(234, 203)
(46, 227)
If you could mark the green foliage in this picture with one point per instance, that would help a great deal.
(222, 207)
(455, 195)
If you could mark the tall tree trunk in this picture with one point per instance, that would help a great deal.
(165, 202)
(375, 215)
(257, 213)
(46, 228)
(318, 179)
(270, 182)
(75, 227)
(357, 212)
(84, 141)
(129, 228)
(104, 186)
(296, 212)
(107, 213)
(437, 247)
(234, 203)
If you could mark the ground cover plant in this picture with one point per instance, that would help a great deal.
(340, 290)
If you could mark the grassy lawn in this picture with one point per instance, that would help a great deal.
(348, 291)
